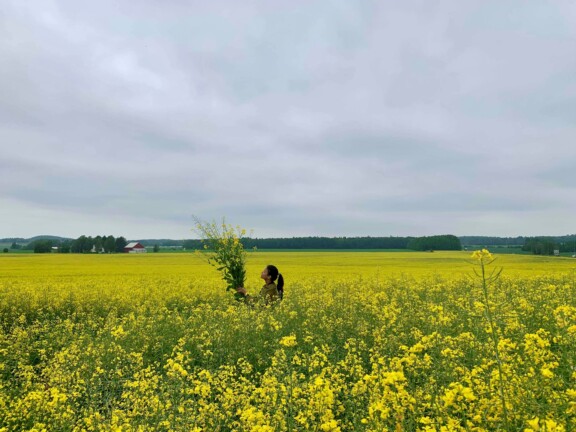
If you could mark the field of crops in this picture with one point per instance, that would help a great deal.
(375, 341)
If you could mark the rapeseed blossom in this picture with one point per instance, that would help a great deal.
(482, 255)
(126, 346)
(288, 341)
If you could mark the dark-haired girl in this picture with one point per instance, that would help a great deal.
(269, 292)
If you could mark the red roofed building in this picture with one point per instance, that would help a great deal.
(134, 247)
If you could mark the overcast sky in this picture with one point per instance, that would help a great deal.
(337, 118)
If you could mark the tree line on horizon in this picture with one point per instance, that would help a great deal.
(547, 245)
(83, 244)
(109, 244)
(439, 242)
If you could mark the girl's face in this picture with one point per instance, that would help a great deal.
(265, 275)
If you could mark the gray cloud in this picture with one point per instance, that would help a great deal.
(302, 118)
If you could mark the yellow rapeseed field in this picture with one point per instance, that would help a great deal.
(363, 341)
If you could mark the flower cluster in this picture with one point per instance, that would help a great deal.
(482, 255)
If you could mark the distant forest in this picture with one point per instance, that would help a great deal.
(542, 245)
(83, 244)
(109, 244)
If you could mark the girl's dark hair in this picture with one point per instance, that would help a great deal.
(274, 273)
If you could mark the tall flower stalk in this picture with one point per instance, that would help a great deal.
(224, 250)
(484, 258)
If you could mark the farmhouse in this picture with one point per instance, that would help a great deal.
(134, 247)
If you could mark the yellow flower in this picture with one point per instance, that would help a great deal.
(426, 420)
(289, 341)
(534, 423)
(330, 426)
(483, 255)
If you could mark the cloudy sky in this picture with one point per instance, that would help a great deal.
(337, 118)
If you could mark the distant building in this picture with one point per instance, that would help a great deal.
(134, 247)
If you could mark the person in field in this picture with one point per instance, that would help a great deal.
(270, 292)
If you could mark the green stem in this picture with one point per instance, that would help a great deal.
(495, 342)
